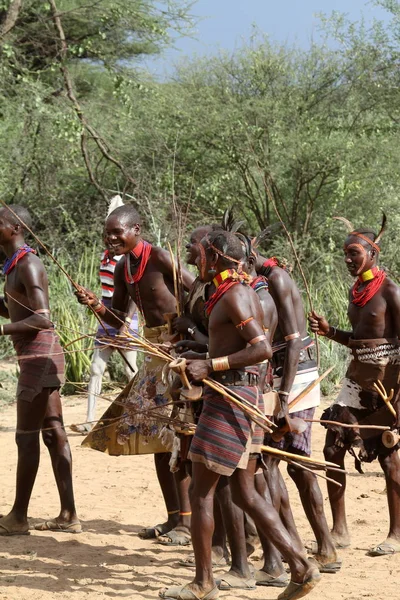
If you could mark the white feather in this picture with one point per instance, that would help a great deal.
(115, 202)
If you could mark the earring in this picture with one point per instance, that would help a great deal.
(212, 271)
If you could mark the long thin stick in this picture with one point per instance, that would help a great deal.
(176, 292)
(246, 409)
(270, 450)
(231, 392)
(355, 426)
(290, 239)
(309, 388)
(292, 462)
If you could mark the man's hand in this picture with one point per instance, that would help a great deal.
(186, 345)
(198, 369)
(86, 297)
(193, 355)
(318, 324)
(182, 324)
(283, 413)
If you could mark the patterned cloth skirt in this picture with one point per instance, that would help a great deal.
(225, 437)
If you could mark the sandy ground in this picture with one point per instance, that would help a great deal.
(116, 496)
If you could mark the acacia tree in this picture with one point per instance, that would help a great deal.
(67, 68)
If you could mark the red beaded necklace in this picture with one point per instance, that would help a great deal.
(141, 251)
(223, 282)
(374, 283)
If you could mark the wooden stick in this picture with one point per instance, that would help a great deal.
(270, 450)
(215, 385)
(179, 366)
(292, 462)
(176, 291)
(309, 388)
(232, 392)
(253, 415)
(296, 256)
(356, 426)
(380, 388)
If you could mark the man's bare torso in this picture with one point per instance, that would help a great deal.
(18, 309)
(374, 320)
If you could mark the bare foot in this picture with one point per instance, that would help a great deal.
(9, 525)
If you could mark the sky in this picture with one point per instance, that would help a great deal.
(224, 24)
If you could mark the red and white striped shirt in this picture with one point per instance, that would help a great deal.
(107, 268)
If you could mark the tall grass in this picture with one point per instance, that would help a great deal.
(73, 320)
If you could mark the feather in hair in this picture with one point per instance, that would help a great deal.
(348, 224)
(228, 222)
(382, 229)
(263, 235)
(246, 241)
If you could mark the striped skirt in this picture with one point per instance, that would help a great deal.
(225, 437)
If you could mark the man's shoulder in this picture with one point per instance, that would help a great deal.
(280, 279)
(30, 262)
(158, 252)
(390, 287)
(238, 291)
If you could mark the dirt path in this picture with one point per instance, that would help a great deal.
(116, 496)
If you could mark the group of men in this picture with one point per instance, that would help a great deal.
(244, 328)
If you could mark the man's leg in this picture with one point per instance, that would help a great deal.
(313, 504)
(273, 567)
(30, 417)
(131, 368)
(332, 453)
(233, 519)
(220, 553)
(100, 359)
(202, 491)
(180, 534)
(170, 495)
(391, 468)
(268, 521)
(56, 441)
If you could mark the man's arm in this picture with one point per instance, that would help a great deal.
(131, 310)
(280, 288)
(392, 296)
(34, 278)
(320, 326)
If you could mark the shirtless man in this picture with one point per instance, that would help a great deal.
(225, 442)
(374, 313)
(145, 275)
(294, 368)
(26, 304)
